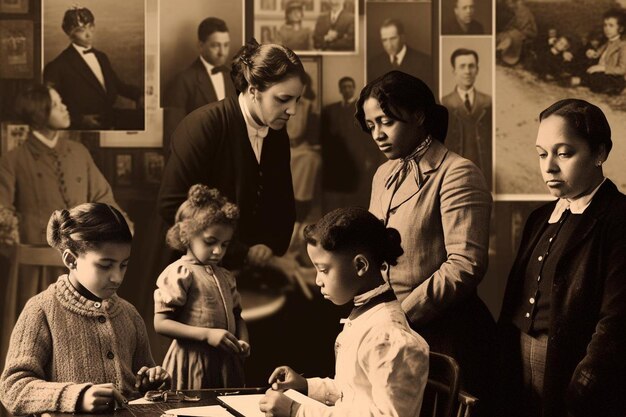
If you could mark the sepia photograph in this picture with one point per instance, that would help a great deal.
(16, 45)
(326, 27)
(312, 207)
(466, 17)
(466, 86)
(396, 42)
(544, 54)
(94, 56)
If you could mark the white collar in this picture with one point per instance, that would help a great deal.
(80, 49)
(361, 299)
(400, 55)
(209, 67)
(254, 129)
(470, 91)
(50, 143)
(577, 206)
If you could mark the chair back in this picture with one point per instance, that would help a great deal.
(466, 404)
(36, 255)
(442, 387)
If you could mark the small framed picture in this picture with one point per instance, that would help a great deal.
(13, 6)
(16, 49)
(153, 163)
(124, 169)
(13, 135)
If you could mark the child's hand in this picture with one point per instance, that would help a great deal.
(100, 398)
(284, 378)
(277, 404)
(223, 339)
(151, 378)
(591, 54)
(245, 348)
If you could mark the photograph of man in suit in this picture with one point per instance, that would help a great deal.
(349, 157)
(206, 80)
(86, 81)
(469, 127)
(463, 22)
(334, 30)
(398, 55)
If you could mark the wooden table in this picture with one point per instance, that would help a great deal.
(207, 397)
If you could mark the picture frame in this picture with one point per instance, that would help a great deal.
(12, 136)
(123, 172)
(313, 67)
(153, 165)
(16, 49)
(272, 24)
(14, 6)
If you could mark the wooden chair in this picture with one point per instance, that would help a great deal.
(20, 255)
(466, 403)
(442, 387)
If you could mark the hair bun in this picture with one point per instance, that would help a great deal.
(58, 224)
(199, 195)
(393, 247)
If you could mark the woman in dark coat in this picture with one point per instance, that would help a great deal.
(563, 320)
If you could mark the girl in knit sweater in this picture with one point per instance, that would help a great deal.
(196, 301)
(77, 346)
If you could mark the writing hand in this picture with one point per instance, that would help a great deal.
(223, 339)
(277, 404)
(100, 398)
(284, 378)
(151, 378)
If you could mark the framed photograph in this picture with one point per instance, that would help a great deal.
(13, 6)
(153, 164)
(528, 79)
(309, 27)
(123, 169)
(16, 49)
(13, 135)
(121, 45)
(386, 50)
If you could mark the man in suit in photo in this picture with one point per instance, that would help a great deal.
(463, 22)
(334, 30)
(206, 80)
(349, 156)
(469, 128)
(398, 55)
(86, 81)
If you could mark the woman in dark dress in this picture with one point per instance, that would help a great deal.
(563, 320)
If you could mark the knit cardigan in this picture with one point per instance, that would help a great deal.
(63, 343)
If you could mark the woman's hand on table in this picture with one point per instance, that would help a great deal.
(277, 404)
(100, 398)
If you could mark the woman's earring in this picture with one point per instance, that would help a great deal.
(599, 163)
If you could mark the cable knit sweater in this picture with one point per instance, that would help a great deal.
(63, 343)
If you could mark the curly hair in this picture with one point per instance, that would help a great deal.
(351, 229)
(204, 207)
(87, 226)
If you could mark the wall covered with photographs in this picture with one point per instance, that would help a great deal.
(494, 64)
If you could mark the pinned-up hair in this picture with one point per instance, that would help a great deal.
(77, 17)
(351, 229)
(87, 226)
(262, 66)
(396, 92)
(583, 120)
(204, 207)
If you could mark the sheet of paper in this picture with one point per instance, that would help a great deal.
(248, 405)
(140, 401)
(204, 411)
